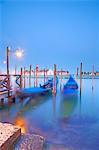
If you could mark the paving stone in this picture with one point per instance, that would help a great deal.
(8, 135)
(30, 142)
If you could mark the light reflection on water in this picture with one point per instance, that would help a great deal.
(70, 119)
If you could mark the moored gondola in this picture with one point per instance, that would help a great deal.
(71, 85)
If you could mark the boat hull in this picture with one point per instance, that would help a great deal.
(70, 91)
(71, 86)
(32, 92)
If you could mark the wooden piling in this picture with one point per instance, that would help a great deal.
(24, 78)
(2, 102)
(30, 70)
(15, 70)
(80, 78)
(21, 78)
(77, 72)
(46, 71)
(8, 75)
(44, 75)
(61, 75)
(54, 82)
(80, 69)
(36, 75)
(80, 102)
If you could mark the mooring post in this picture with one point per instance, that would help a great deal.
(2, 102)
(8, 75)
(44, 75)
(15, 69)
(30, 75)
(61, 75)
(46, 71)
(80, 78)
(24, 78)
(54, 82)
(77, 72)
(21, 78)
(36, 75)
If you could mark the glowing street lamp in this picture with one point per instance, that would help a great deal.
(19, 53)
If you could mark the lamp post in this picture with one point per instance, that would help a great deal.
(18, 53)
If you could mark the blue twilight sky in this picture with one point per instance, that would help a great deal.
(62, 32)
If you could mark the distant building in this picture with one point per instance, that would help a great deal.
(50, 72)
(63, 72)
(97, 73)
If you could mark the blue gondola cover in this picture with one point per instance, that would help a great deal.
(71, 84)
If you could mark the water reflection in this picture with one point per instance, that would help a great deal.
(67, 104)
(61, 87)
(60, 119)
(54, 107)
(20, 122)
(80, 105)
(6, 105)
(92, 85)
(80, 87)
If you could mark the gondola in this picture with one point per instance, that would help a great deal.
(71, 86)
(35, 91)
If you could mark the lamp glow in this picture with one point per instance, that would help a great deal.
(4, 62)
(19, 53)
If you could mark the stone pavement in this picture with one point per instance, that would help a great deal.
(30, 142)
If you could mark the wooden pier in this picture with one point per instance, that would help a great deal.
(6, 89)
(35, 73)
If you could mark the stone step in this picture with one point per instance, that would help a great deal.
(9, 134)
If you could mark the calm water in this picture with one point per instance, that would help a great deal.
(71, 121)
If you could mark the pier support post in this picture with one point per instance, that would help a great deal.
(30, 75)
(46, 72)
(21, 78)
(80, 78)
(77, 72)
(54, 82)
(2, 102)
(61, 75)
(36, 75)
(44, 76)
(24, 78)
(8, 75)
(15, 69)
